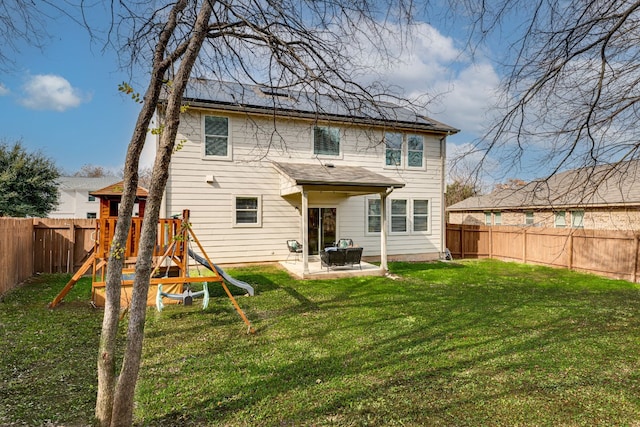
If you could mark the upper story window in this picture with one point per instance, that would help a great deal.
(216, 137)
(560, 220)
(415, 151)
(404, 150)
(326, 141)
(91, 198)
(393, 149)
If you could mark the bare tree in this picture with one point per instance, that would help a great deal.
(93, 171)
(25, 21)
(290, 43)
(571, 95)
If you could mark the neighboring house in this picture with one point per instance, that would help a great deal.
(602, 197)
(75, 200)
(257, 167)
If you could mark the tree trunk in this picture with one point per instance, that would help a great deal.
(107, 346)
(122, 414)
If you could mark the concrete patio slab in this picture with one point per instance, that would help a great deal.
(316, 271)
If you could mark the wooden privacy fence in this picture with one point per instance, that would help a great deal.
(61, 245)
(16, 252)
(42, 245)
(610, 253)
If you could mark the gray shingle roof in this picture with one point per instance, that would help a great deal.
(85, 183)
(252, 98)
(318, 174)
(616, 184)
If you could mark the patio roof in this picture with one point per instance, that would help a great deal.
(329, 177)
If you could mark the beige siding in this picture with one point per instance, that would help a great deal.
(256, 142)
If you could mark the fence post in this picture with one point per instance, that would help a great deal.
(635, 261)
(570, 250)
(490, 242)
(524, 246)
(461, 241)
(72, 246)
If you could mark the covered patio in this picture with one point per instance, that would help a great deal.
(317, 271)
(299, 181)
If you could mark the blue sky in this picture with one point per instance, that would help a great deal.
(63, 100)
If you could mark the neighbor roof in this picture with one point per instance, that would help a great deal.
(260, 99)
(85, 183)
(616, 184)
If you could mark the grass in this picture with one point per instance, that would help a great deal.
(468, 343)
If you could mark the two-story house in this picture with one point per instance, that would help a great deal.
(74, 199)
(257, 167)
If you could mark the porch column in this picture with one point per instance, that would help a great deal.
(305, 233)
(383, 232)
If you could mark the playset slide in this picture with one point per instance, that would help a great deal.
(235, 282)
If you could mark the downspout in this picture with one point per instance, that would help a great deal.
(443, 189)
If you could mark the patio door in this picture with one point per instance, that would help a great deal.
(322, 229)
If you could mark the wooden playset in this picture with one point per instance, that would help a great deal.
(170, 276)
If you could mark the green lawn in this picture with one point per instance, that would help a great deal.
(466, 343)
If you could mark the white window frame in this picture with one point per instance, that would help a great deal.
(366, 215)
(413, 215)
(488, 218)
(577, 214)
(406, 216)
(558, 215)
(529, 218)
(206, 156)
(402, 151)
(423, 159)
(497, 218)
(234, 211)
(313, 142)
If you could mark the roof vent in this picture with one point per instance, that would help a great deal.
(269, 91)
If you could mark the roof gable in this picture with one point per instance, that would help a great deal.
(117, 189)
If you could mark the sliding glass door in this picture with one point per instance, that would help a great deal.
(322, 229)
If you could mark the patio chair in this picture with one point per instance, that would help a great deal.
(333, 257)
(344, 243)
(295, 248)
(353, 256)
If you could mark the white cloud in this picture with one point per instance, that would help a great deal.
(50, 92)
(3, 90)
(468, 99)
(429, 66)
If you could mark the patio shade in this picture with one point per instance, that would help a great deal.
(352, 180)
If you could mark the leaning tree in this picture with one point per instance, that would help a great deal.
(302, 44)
